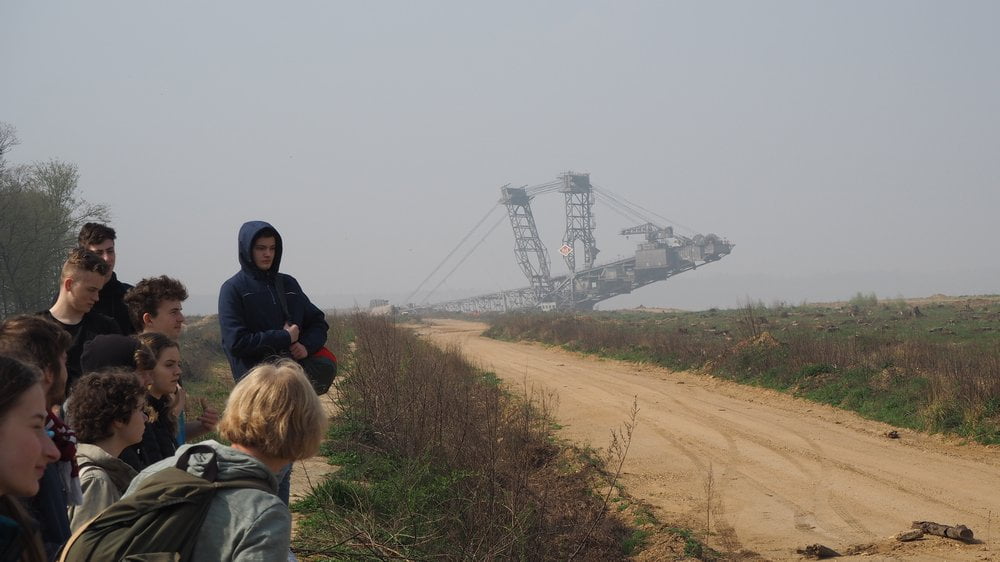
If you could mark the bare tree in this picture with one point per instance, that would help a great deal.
(40, 214)
(8, 140)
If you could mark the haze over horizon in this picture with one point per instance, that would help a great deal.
(843, 147)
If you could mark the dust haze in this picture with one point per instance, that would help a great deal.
(842, 147)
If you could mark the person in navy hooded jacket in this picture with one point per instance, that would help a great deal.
(253, 322)
(254, 326)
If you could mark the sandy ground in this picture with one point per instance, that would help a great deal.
(310, 472)
(786, 473)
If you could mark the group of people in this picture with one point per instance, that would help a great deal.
(92, 404)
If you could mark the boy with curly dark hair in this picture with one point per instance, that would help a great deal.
(155, 304)
(107, 413)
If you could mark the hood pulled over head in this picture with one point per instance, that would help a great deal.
(249, 233)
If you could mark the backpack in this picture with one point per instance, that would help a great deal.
(320, 367)
(160, 520)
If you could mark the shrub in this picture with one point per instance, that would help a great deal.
(441, 461)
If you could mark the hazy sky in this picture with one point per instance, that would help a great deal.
(842, 146)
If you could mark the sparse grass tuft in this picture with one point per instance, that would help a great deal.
(635, 542)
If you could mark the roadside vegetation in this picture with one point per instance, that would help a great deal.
(439, 461)
(926, 364)
(205, 370)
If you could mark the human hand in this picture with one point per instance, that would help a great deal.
(293, 330)
(179, 401)
(209, 417)
(298, 351)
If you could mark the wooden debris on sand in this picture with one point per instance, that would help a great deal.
(910, 535)
(818, 551)
(959, 532)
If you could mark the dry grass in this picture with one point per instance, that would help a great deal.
(934, 365)
(440, 461)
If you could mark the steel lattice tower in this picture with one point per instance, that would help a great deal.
(526, 241)
(579, 219)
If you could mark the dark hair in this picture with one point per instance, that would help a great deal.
(16, 377)
(108, 350)
(147, 295)
(94, 233)
(36, 340)
(83, 260)
(31, 544)
(100, 399)
(266, 232)
(151, 345)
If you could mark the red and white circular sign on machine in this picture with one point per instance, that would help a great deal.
(566, 250)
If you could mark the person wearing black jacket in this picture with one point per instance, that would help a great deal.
(254, 326)
(157, 363)
(100, 239)
(82, 277)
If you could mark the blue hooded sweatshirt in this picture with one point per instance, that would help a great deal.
(250, 314)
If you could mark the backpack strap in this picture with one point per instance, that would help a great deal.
(279, 286)
(64, 551)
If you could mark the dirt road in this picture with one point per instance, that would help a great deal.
(786, 472)
(309, 473)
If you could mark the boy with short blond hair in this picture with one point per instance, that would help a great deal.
(83, 276)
